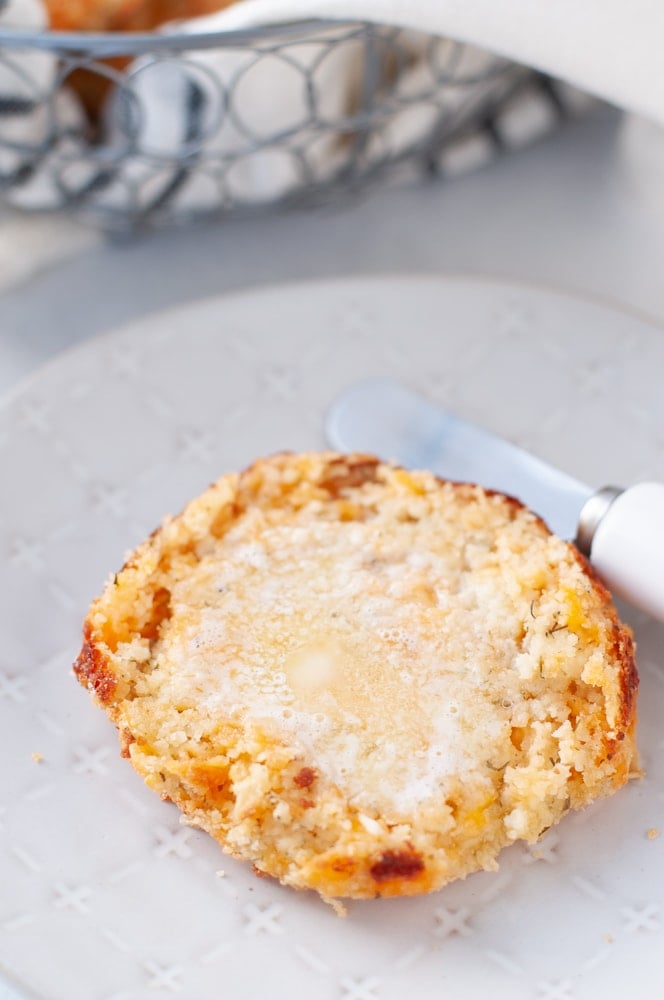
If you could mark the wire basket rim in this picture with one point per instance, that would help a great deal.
(129, 42)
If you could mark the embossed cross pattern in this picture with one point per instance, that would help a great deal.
(91, 761)
(561, 990)
(196, 445)
(27, 554)
(449, 921)
(543, 850)
(12, 688)
(515, 320)
(360, 989)
(34, 416)
(125, 362)
(74, 898)
(174, 843)
(280, 383)
(643, 918)
(163, 977)
(109, 500)
(263, 918)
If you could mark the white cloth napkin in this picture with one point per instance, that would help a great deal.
(611, 48)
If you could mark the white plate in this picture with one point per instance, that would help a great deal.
(104, 896)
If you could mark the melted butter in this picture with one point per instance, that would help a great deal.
(313, 668)
(348, 650)
(360, 713)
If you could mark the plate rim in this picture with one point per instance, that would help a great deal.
(294, 288)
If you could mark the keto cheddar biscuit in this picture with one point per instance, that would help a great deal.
(361, 680)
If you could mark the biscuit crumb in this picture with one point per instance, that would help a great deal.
(337, 906)
(608, 938)
(653, 833)
(37, 757)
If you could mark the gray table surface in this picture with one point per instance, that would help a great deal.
(583, 209)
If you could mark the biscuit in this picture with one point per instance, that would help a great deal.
(124, 15)
(363, 681)
(92, 85)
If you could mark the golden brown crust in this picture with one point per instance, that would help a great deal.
(345, 473)
(94, 670)
(623, 650)
(391, 865)
(363, 680)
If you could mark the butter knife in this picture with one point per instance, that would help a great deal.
(620, 530)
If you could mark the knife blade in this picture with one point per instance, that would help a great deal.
(622, 531)
(386, 418)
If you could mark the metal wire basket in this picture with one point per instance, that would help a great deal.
(136, 130)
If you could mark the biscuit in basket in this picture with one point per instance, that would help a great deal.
(92, 85)
(362, 680)
(125, 15)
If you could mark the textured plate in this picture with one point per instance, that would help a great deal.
(98, 879)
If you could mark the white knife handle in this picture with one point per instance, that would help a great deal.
(627, 547)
